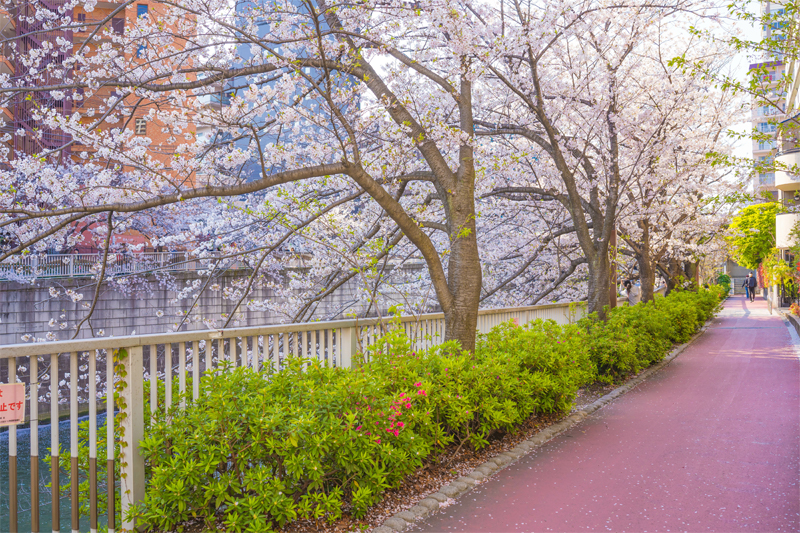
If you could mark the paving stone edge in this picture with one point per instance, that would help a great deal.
(431, 503)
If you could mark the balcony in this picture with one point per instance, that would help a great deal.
(784, 225)
(787, 181)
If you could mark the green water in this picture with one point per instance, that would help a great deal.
(24, 479)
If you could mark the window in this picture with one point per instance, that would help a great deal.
(141, 126)
(768, 110)
(766, 145)
(118, 25)
(766, 127)
(140, 51)
(81, 17)
(141, 10)
(767, 178)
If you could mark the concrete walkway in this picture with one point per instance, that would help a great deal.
(709, 443)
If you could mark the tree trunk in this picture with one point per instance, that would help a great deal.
(464, 266)
(464, 279)
(647, 274)
(464, 276)
(692, 273)
(670, 271)
(599, 284)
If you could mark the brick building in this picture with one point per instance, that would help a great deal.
(29, 29)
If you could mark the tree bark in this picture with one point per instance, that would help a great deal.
(670, 269)
(599, 285)
(464, 267)
(463, 270)
(647, 274)
(461, 321)
(692, 271)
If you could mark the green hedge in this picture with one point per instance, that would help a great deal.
(259, 450)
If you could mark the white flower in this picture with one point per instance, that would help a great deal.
(101, 332)
(54, 292)
(26, 338)
(159, 313)
(52, 323)
(76, 297)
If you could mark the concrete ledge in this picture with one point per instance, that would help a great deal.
(431, 503)
(793, 320)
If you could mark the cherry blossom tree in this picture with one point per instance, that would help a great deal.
(590, 91)
(493, 146)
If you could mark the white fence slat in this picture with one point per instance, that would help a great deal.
(182, 373)
(195, 347)
(168, 375)
(153, 378)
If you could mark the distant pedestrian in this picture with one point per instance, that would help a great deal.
(751, 284)
(632, 292)
(746, 286)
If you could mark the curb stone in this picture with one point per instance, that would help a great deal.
(431, 503)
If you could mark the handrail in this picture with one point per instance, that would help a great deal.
(153, 358)
(126, 341)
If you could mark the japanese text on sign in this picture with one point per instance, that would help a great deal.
(12, 404)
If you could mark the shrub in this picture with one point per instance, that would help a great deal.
(260, 449)
(634, 337)
(724, 281)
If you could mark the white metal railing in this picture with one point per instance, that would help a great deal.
(44, 367)
(86, 265)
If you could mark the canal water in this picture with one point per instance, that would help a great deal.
(24, 478)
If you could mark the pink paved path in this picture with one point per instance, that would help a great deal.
(709, 443)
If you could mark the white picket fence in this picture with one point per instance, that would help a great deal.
(175, 356)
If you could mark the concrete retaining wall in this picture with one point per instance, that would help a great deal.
(27, 310)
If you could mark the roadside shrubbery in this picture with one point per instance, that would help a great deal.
(259, 450)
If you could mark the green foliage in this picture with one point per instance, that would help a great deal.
(258, 450)
(724, 281)
(634, 337)
(751, 235)
(776, 269)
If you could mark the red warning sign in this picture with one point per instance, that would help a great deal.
(12, 404)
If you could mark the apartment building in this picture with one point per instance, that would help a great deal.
(766, 116)
(25, 33)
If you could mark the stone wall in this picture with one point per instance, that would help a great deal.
(28, 309)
